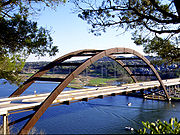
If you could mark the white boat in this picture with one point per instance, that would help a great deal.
(129, 128)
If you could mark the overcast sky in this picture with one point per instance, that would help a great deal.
(71, 33)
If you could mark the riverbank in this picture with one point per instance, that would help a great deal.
(175, 99)
(86, 81)
(150, 97)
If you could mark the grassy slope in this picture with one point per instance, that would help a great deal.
(100, 81)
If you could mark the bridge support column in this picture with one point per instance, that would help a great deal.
(85, 99)
(124, 93)
(67, 102)
(167, 88)
(175, 89)
(142, 93)
(113, 94)
(101, 96)
(5, 124)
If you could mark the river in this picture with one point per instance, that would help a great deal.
(99, 116)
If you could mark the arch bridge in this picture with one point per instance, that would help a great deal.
(93, 55)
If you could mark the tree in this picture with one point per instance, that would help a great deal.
(159, 127)
(153, 23)
(20, 37)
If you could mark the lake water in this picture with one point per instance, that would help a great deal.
(99, 116)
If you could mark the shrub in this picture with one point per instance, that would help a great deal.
(159, 127)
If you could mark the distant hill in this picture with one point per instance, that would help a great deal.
(106, 67)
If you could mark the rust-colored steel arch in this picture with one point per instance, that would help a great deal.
(45, 69)
(95, 55)
(126, 68)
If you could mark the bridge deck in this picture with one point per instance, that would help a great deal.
(8, 105)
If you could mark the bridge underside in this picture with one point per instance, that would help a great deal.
(93, 55)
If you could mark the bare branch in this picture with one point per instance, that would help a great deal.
(6, 14)
(161, 31)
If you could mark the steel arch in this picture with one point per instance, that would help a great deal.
(45, 69)
(95, 55)
(126, 68)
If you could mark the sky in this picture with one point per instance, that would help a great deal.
(70, 33)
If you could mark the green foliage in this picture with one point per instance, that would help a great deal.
(10, 68)
(159, 127)
(20, 37)
(166, 49)
(153, 23)
(162, 48)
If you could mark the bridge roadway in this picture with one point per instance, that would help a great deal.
(18, 104)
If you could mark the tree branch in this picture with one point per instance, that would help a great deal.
(5, 14)
(6, 3)
(174, 17)
(118, 8)
(151, 17)
(161, 31)
(115, 23)
(176, 3)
